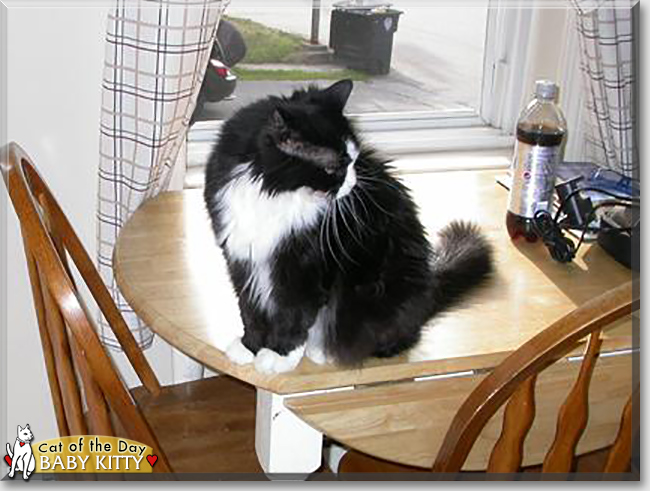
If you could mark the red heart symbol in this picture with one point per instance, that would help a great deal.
(22, 443)
(8, 460)
(152, 459)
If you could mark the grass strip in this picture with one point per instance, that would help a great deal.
(251, 75)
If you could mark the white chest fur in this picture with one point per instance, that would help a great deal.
(254, 223)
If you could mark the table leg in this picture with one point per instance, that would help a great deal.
(283, 442)
(333, 455)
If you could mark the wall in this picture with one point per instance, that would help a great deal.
(51, 82)
(53, 74)
(554, 53)
(524, 45)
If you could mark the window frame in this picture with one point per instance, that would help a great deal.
(507, 66)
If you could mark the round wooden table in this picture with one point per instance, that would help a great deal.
(172, 273)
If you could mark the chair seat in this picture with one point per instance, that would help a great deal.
(355, 461)
(204, 426)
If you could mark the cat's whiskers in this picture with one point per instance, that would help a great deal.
(337, 236)
(325, 236)
(346, 207)
(343, 202)
(358, 197)
(383, 182)
(369, 174)
(321, 232)
(372, 200)
(326, 227)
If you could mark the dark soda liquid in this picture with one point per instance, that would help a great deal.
(544, 136)
(519, 226)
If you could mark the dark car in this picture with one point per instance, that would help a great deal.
(219, 81)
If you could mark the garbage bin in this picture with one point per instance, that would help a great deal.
(362, 36)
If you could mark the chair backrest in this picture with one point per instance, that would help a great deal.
(80, 372)
(513, 381)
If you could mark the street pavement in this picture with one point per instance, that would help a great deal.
(391, 93)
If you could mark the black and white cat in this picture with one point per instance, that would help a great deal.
(324, 246)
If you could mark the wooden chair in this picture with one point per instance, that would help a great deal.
(186, 425)
(513, 382)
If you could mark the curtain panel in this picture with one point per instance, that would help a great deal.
(606, 33)
(155, 60)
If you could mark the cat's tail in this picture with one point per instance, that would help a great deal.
(463, 260)
(9, 451)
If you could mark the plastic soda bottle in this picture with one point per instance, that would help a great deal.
(540, 131)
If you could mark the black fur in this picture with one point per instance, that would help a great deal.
(369, 262)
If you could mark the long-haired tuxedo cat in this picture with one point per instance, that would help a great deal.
(324, 246)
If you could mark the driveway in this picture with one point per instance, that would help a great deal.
(391, 93)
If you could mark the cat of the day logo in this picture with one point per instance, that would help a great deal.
(21, 458)
(77, 454)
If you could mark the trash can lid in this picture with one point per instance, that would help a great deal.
(361, 4)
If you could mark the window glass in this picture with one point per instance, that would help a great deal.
(404, 56)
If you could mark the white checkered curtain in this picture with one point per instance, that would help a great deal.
(606, 31)
(156, 54)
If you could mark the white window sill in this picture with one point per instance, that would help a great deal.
(453, 160)
(412, 150)
(431, 141)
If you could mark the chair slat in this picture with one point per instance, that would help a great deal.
(103, 371)
(620, 454)
(97, 411)
(97, 414)
(65, 370)
(519, 415)
(55, 234)
(574, 413)
(100, 293)
(67, 322)
(48, 351)
(535, 355)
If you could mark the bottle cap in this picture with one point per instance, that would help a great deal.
(545, 89)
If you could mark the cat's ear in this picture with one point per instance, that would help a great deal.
(278, 120)
(339, 93)
(20, 428)
(279, 124)
(27, 427)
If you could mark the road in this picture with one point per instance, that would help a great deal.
(391, 93)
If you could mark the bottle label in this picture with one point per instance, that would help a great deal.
(533, 179)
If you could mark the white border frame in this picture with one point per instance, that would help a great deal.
(4, 209)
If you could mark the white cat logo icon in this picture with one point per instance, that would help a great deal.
(21, 457)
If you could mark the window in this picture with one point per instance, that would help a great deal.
(413, 56)
(459, 71)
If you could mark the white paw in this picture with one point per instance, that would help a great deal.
(315, 350)
(317, 355)
(238, 353)
(270, 362)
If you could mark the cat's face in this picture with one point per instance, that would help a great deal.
(311, 143)
(25, 434)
